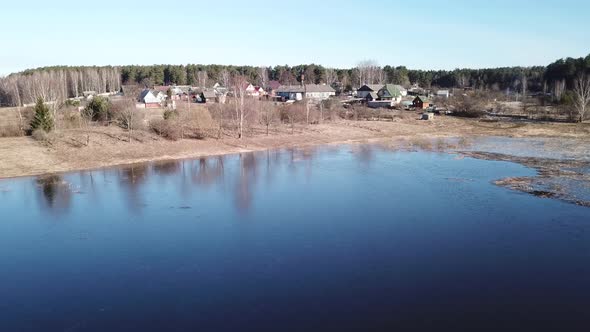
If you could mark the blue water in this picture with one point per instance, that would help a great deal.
(330, 239)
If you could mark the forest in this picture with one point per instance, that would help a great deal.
(59, 82)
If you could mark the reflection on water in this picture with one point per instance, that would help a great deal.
(355, 237)
(55, 193)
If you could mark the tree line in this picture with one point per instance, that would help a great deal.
(57, 83)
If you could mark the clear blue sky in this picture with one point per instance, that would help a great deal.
(424, 35)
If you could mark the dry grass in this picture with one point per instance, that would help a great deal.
(98, 146)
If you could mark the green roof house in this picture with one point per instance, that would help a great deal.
(390, 92)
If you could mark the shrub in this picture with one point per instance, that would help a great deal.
(127, 115)
(170, 114)
(166, 128)
(40, 135)
(10, 130)
(72, 103)
(42, 118)
(98, 109)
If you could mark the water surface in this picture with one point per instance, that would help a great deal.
(333, 238)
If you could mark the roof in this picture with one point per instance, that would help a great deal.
(399, 87)
(423, 99)
(307, 88)
(162, 88)
(374, 95)
(371, 87)
(319, 88)
(209, 94)
(145, 92)
(291, 89)
(391, 89)
(442, 92)
(273, 85)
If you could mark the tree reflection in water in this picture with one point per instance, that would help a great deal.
(208, 171)
(55, 194)
(247, 177)
(131, 178)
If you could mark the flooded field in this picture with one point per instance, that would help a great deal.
(347, 237)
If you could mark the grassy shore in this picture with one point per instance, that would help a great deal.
(96, 147)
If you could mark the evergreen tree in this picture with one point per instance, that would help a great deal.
(42, 119)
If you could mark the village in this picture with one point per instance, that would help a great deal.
(386, 96)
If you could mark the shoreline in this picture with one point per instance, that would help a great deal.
(25, 157)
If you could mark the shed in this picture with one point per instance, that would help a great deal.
(421, 102)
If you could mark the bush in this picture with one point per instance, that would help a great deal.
(40, 135)
(72, 103)
(127, 115)
(170, 114)
(71, 118)
(166, 128)
(10, 130)
(98, 109)
(467, 106)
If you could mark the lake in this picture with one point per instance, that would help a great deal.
(351, 237)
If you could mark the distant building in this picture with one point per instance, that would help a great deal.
(152, 98)
(319, 91)
(367, 89)
(208, 96)
(309, 91)
(390, 92)
(443, 93)
(421, 102)
(372, 96)
(291, 92)
(402, 90)
(272, 88)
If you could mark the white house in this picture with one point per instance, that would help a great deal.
(152, 98)
(443, 93)
(309, 91)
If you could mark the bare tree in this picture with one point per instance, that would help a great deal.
(127, 115)
(368, 71)
(239, 86)
(202, 77)
(268, 115)
(225, 78)
(582, 95)
(331, 76)
(263, 77)
(558, 89)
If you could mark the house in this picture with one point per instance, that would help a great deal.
(421, 102)
(249, 89)
(272, 88)
(402, 90)
(309, 91)
(443, 93)
(319, 91)
(208, 96)
(372, 96)
(258, 92)
(390, 92)
(220, 90)
(152, 98)
(367, 89)
(291, 92)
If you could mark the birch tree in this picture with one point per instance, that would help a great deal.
(239, 87)
(581, 95)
